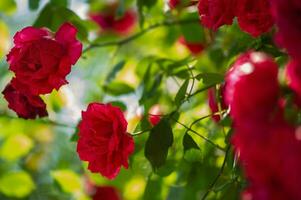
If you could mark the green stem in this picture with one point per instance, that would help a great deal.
(139, 34)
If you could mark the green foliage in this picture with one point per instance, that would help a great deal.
(54, 15)
(181, 93)
(158, 143)
(8, 6)
(16, 184)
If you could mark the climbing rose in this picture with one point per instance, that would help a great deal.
(252, 87)
(103, 140)
(42, 61)
(108, 20)
(194, 47)
(215, 13)
(25, 105)
(254, 16)
(287, 15)
(106, 193)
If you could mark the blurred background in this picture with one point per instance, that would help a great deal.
(38, 159)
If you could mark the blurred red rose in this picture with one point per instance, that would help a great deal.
(109, 21)
(254, 16)
(42, 61)
(215, 13)
(103, 140)
(154, 114)
(173, 3)
(106, 193)
(213, 103)
(287, 15)
(293, 74)
(194, 47)
(25, 105)
(252, 86)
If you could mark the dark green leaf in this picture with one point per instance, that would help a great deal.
(158, 143)
(119, 104)
(74, 137)
(153, 190)
(189, 143)
(181, 93)
(114, 71)
(210, 78)
(63, 3)
(117, 88)
(193, 32)
(33, 4)
(53, 16)
(166, 169)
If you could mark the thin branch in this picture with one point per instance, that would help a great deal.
(140, 132)
(201, 136)
(218, 175)
(139, 34)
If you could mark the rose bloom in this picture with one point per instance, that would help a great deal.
(41, 61)
(287, 15)
(26, 106)
(215, 13)
(252, 87)
(181, 3)
(254, 16)
(293, 74)
(106, 193)
(108, 21)
(195, 48)
(103, 140)
(269, 153)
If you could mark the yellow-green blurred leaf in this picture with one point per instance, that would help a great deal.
(8, 6)
(69, 181)
(16, 184)
(4, 35)
(15, 147)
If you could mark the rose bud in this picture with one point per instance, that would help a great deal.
(252, 87)
(42, 61)
(106, 193)
(103, 139)
(254, 16)
(26, 105)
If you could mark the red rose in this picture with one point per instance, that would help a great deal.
(155, 114)
(287, 15)
(213, 103)
(42, 61)
(25, 105)
(293, 74)
(173, 3)
(194, 47)
(106, 193)
(252, 87)
(109, 21)
(103, 140)
(254, 16)
(215, 13)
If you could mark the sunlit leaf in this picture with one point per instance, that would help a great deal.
(16, 184)
(181, 93)
(189, 143)
(117, 88)
(15, 147)
(68, 180)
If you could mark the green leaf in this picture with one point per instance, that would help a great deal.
(114, 71)
(33, 4)
(69, 181)
(15, 147)
(117, 88)
(210, 78)
(166, 169)
(193, 32)
(189, 143)
(8, 6)
(153, 190)
(63, 3)
(141, 4)
(16, 184)
(75, 137)
(158, 143)
(53, 16)
(181, 93)
(118, 104)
